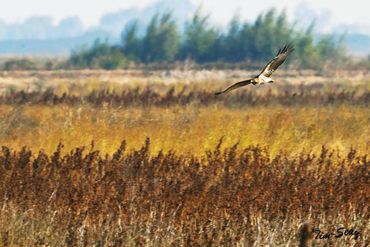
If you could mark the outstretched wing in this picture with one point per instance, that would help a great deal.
(277, 61)
(236, 85)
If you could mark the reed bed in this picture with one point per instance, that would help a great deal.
(226, 197)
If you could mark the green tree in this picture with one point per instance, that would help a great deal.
(330, 47)
(305, 50)
(232, 42)
(246, 39)
(268, 33)
(99, 55)
(268, 42)
(161, 41)
(199, 39)
(168, 39)
(283, 31)
(131, 43)
(264, 38)
(149, 52)
(112, 60)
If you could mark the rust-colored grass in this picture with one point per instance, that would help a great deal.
(223, 198)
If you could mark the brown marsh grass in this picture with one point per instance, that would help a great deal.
(222, 198)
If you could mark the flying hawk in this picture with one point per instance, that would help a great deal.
(264, 76)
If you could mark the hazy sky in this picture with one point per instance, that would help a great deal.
(336, 12)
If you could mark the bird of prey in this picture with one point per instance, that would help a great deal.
(264, 76)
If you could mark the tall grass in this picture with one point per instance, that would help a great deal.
(232, 197)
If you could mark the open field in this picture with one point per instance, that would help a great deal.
(245, 169)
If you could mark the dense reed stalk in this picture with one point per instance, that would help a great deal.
(226, 197)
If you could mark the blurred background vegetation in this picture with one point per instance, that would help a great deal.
(165, 44)
(200, 42)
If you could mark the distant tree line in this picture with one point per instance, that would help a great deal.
(241, 42)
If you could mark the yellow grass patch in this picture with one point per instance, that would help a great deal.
(189, 129)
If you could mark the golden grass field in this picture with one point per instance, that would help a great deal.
(186, 130)
(301, 157)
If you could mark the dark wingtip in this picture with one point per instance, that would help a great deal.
(287, 48)
(218, 93)
(290, 47)
(283, 50)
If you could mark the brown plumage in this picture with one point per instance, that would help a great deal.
(264, 76)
